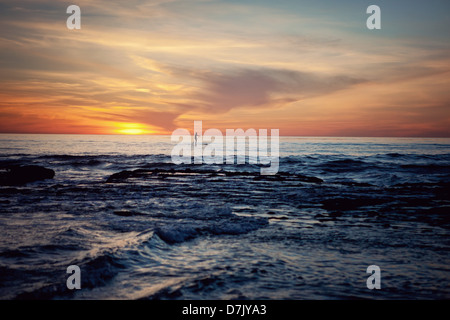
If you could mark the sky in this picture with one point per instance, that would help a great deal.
(307, 68)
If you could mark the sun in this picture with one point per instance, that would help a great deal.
(132, 128)
(131, 131)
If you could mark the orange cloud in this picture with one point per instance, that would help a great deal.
(150, 67)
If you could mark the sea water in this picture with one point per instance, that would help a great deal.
(139, 226)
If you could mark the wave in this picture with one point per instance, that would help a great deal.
(429, 166)
(346, 165)
(103, 254)
(208, 221)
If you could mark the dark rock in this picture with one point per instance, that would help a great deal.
(18, 175)
(304, 178)
(346, 204)
(8, 191)
(119, 176)
(126, 213)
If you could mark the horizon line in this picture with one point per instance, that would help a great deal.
(295, 136)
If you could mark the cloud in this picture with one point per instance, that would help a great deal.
(14, 122)
(160, 62)
(265, 88)
(159, 119)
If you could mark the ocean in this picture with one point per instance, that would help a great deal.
(140, 227)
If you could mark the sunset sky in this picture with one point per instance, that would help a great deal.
(306, 67)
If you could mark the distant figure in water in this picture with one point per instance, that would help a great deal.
(195, 138)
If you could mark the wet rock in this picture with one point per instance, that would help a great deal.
(345, 204)
(309, 179)
(126, 213)
(119, 176)
(356, 184)
(19, 175)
